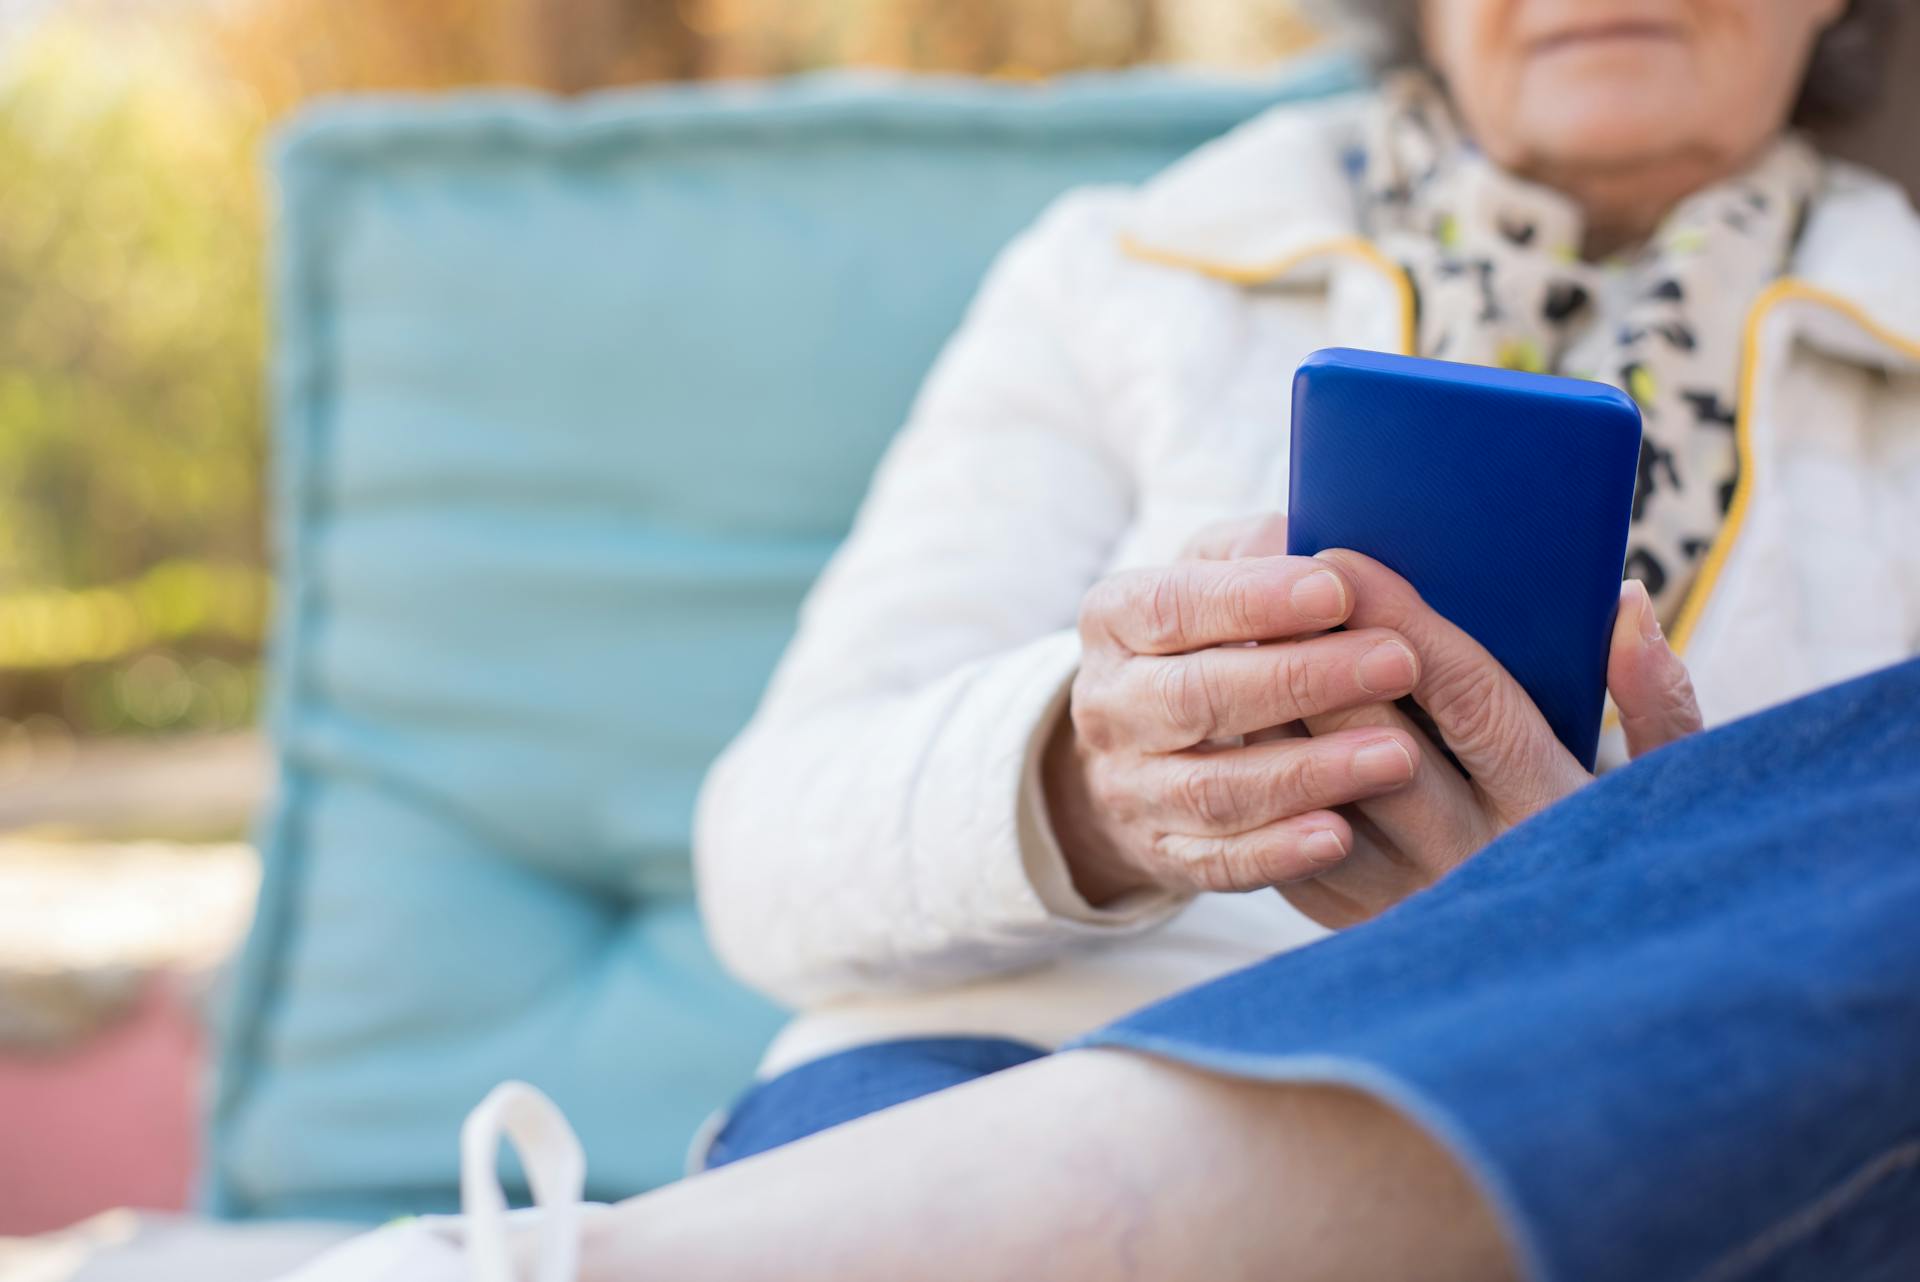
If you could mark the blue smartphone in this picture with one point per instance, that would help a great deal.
(1503, 497)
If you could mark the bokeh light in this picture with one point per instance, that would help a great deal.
(133, 580)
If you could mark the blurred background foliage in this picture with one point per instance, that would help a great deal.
(133, 582)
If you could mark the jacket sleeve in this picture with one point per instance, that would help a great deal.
(878, 825)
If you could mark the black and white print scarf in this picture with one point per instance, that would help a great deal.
(1496, 265)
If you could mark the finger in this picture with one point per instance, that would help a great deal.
(1289, 850)
(1487, 720)
(1649, 684)
(1167, 704)
(1426, 828)
(1245, 537)
(1195, 605)
(1369, 881)
(1225, 793)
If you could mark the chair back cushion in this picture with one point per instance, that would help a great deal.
(573, 401)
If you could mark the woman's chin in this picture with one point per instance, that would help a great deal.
(1572, 134)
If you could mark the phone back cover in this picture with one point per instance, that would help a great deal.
(1504, 498)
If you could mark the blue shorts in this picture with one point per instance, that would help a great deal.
(1671, 1026)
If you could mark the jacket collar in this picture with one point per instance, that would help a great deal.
(1271, 203)
(1254, 205)
(1861, 251)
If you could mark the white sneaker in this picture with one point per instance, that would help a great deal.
(479, 1244)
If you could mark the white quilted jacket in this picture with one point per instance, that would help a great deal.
(873, 848)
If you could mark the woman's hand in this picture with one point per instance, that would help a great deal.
(1515, 766)
(1260, 808)
(1151, 783)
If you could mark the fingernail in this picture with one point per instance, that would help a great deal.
(1324, 847)
(1321, 596)
(1649, 620)
(1386, 667)
(1382, 763)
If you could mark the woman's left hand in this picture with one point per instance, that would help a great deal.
(1515, 765)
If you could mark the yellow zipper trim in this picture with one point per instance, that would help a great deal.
(1357, 248)
(1781, 291)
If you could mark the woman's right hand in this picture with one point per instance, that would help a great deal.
(1177, 769)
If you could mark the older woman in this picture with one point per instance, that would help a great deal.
(950, 784)
(1670, 1029)
(958, 813)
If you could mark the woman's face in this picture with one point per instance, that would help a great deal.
(1559, 85)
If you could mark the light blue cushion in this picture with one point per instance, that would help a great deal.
(573, 402)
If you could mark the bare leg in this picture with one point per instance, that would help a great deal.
(1091, 1165)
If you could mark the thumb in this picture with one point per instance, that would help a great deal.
(1649, 684)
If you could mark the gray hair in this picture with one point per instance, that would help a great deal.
(1845, 79)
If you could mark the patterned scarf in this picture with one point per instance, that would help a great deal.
(1495, 262)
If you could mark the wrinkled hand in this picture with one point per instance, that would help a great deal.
(1150, 783)
(1515, 765)
(1219, 741)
